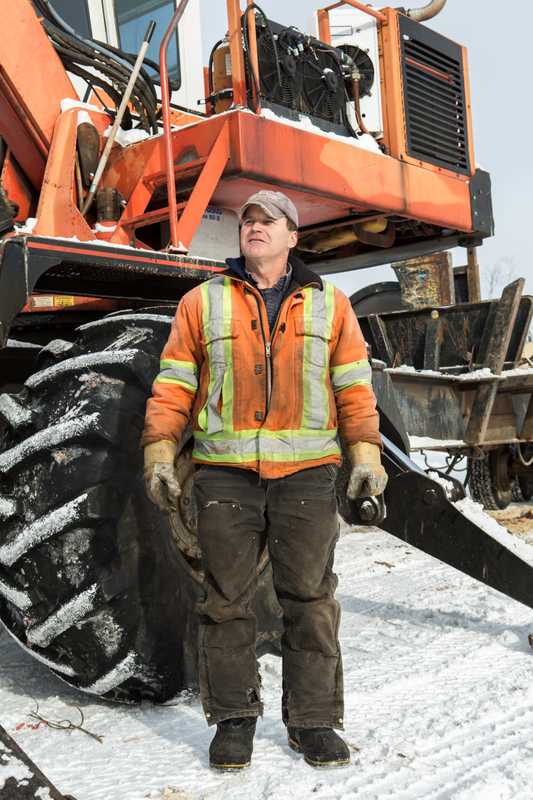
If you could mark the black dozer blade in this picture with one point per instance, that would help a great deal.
(420, 514)
(27, 781)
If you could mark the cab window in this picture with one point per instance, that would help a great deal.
(75, 14)
(133, 17)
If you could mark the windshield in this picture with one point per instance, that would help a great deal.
(75, 14)
(133, 17)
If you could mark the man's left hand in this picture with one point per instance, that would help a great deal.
(368, 477)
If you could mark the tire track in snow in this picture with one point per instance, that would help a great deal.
(447, 657)
(382, 725)
(385, 687)
(449, 663)
(452, 653)
(456, 762)
(447, 634)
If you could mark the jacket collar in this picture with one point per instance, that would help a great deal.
(301, 275)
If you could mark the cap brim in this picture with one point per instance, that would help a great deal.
(265, 208)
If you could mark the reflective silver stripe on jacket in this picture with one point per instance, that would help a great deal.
(358, 373)
(265, 445)
(217, 320)
(184, 373)
(318, 321)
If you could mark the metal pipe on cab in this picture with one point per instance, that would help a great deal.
(428, 11)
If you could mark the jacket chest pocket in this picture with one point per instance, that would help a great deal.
(218, 338)
(315, 339)
(219, 341)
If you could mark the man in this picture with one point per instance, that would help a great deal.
(269, 362)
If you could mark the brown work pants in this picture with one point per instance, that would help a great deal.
(238, 514)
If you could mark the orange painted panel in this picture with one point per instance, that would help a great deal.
(33, 83)
(327, 178)
(57, 213)
(16, 187)
(363, 180)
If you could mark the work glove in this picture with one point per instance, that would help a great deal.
(162, 485)
(368, 476)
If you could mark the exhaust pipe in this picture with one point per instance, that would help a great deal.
(427, 12)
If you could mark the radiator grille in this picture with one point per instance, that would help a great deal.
(434, 97)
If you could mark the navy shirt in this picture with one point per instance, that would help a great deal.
(273, 296)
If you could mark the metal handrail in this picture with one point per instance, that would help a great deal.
(167, 134)
(360, 7)
(254, 58)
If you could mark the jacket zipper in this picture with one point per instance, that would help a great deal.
(268, 344)
(268, 357)
(268, 347)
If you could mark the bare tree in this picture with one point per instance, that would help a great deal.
(494, 279)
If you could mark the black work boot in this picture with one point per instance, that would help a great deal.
(232, 744)
(321, 747)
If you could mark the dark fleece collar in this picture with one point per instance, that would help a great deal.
(301, 275)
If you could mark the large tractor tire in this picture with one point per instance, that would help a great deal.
(524, 480)
(94, 580)
(491, 482)
(518, 497)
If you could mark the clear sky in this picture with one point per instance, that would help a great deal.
(498, 38)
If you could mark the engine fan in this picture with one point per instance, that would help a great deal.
(281, 76)
(364, 64)
(323, 86)
(299, 74)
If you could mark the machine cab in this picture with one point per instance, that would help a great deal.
(123, 23)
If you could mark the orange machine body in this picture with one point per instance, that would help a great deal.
(33, 82)
(222, 158)
(327, 178)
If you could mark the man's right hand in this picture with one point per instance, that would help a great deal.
(162, 485)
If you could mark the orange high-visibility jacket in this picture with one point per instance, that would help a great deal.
(271, 402)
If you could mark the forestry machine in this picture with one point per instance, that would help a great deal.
(123, 164)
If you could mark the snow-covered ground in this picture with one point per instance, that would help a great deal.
(439, 702)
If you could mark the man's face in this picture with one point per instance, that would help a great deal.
(263, 237)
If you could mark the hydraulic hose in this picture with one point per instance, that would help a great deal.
(114, 64)
(250, 8)
(427, 12)
(357, 107)
(115, 68)
(74, 58)
(118, 119)
(211, 85)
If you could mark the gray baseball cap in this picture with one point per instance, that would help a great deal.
(275, 204)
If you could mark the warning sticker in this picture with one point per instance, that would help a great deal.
(214, 214)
